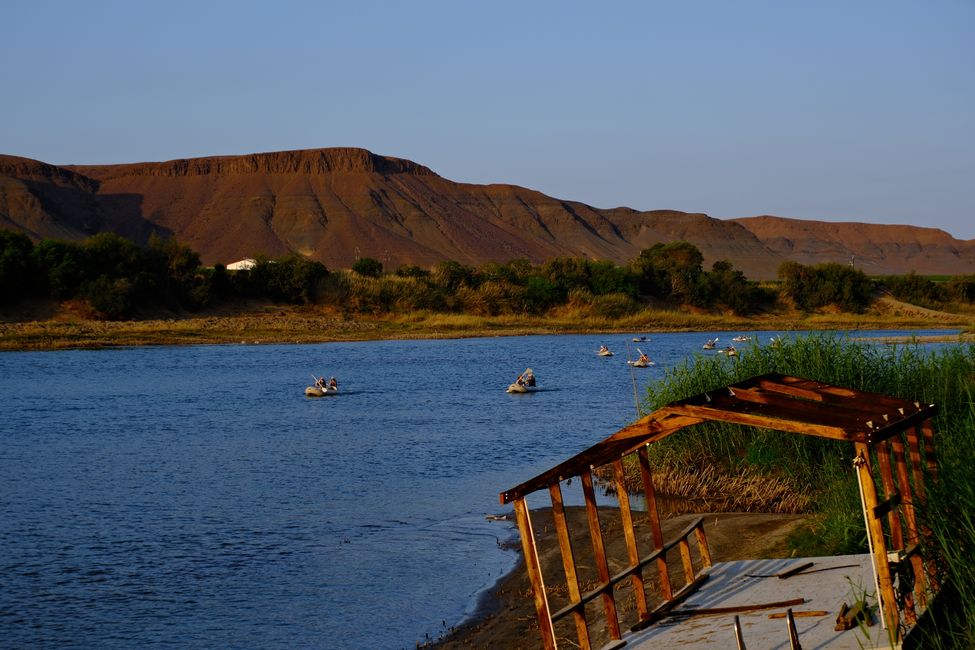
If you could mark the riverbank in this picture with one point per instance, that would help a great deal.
(507, 619)
(59, 327)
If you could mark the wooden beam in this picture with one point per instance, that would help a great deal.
(875, 529)
(910, 519)
(629, 534)
(653, 515)
(763, 421)
(599, 556)
(545, 627)
(569, 565)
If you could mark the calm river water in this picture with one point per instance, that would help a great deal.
(193, 497)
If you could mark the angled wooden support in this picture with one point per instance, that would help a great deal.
(875, 529)
(569, 565)
(545, 627)
(893, 506)
(913, 536)
(666, 590)
(599, 555)
(632, 550)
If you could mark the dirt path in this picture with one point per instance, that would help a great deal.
(509, 619)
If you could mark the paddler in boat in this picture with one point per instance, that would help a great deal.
(320, 383)
(644, 358)
(333, 384)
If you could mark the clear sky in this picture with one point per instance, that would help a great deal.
(854, 111)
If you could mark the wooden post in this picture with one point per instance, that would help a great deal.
(927, 432)
(893, 518)
(914, 448)
(685, 557)
(599, 555)
(702, 545)
(910, 519)
(568, 563)
(653, 515)
(633, 552)
(875, 529)
(545, 626)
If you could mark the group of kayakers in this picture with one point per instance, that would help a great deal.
(331, 384)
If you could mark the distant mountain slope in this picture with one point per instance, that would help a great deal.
(334, 205)
(874, 249)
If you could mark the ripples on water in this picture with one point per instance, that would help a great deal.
(193, 497)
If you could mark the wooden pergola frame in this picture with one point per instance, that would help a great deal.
(892, 439)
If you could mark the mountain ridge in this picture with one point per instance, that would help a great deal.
(335, 205)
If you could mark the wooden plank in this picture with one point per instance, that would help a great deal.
(545, 627)
(875, 529)
(702, 545)
(733, 609)
(927, 433)
(835, 414)
(910, 520)
(575, 466)
(599, 556)
(886, 508)
(629, 534)
(888, 429)
(914, 449)
(893, 497)
(569, 565)
(845, 408)
(666, 590)
(685, 558)
(764, 421)
(931, 463)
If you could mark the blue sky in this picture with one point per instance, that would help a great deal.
(852, 111)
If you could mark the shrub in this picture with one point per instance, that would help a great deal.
(368, 267)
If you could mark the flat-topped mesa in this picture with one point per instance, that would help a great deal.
(303, 161)
(30, 169)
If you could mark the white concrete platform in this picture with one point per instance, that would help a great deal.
(730, 585)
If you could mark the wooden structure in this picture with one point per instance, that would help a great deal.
(894, 456)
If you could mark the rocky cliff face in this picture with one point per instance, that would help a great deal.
(335, 205)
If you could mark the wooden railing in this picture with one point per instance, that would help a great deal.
(654, 554)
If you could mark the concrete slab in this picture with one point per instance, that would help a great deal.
(825, 586)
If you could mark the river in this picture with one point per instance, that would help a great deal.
(193, 497)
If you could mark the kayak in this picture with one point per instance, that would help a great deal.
(640, 364)
(520, 388)
(315, 391)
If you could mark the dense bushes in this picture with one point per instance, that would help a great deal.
(919, 290)
(822, 285)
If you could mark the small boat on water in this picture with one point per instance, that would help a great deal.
(604, 351)
(741, 338)
(642, 362)
(315, 391)
(730, 351)
(639, 339)
(710, 344)
(524, 384)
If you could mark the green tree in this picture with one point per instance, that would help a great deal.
(15, 266)
(368, 267)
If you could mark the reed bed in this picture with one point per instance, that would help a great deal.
(820, 470)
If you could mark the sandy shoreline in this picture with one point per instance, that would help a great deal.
(505, 615)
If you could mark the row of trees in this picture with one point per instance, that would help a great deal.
(919, 290)
(117, 278)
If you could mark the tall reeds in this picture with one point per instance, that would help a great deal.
(821, 469)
